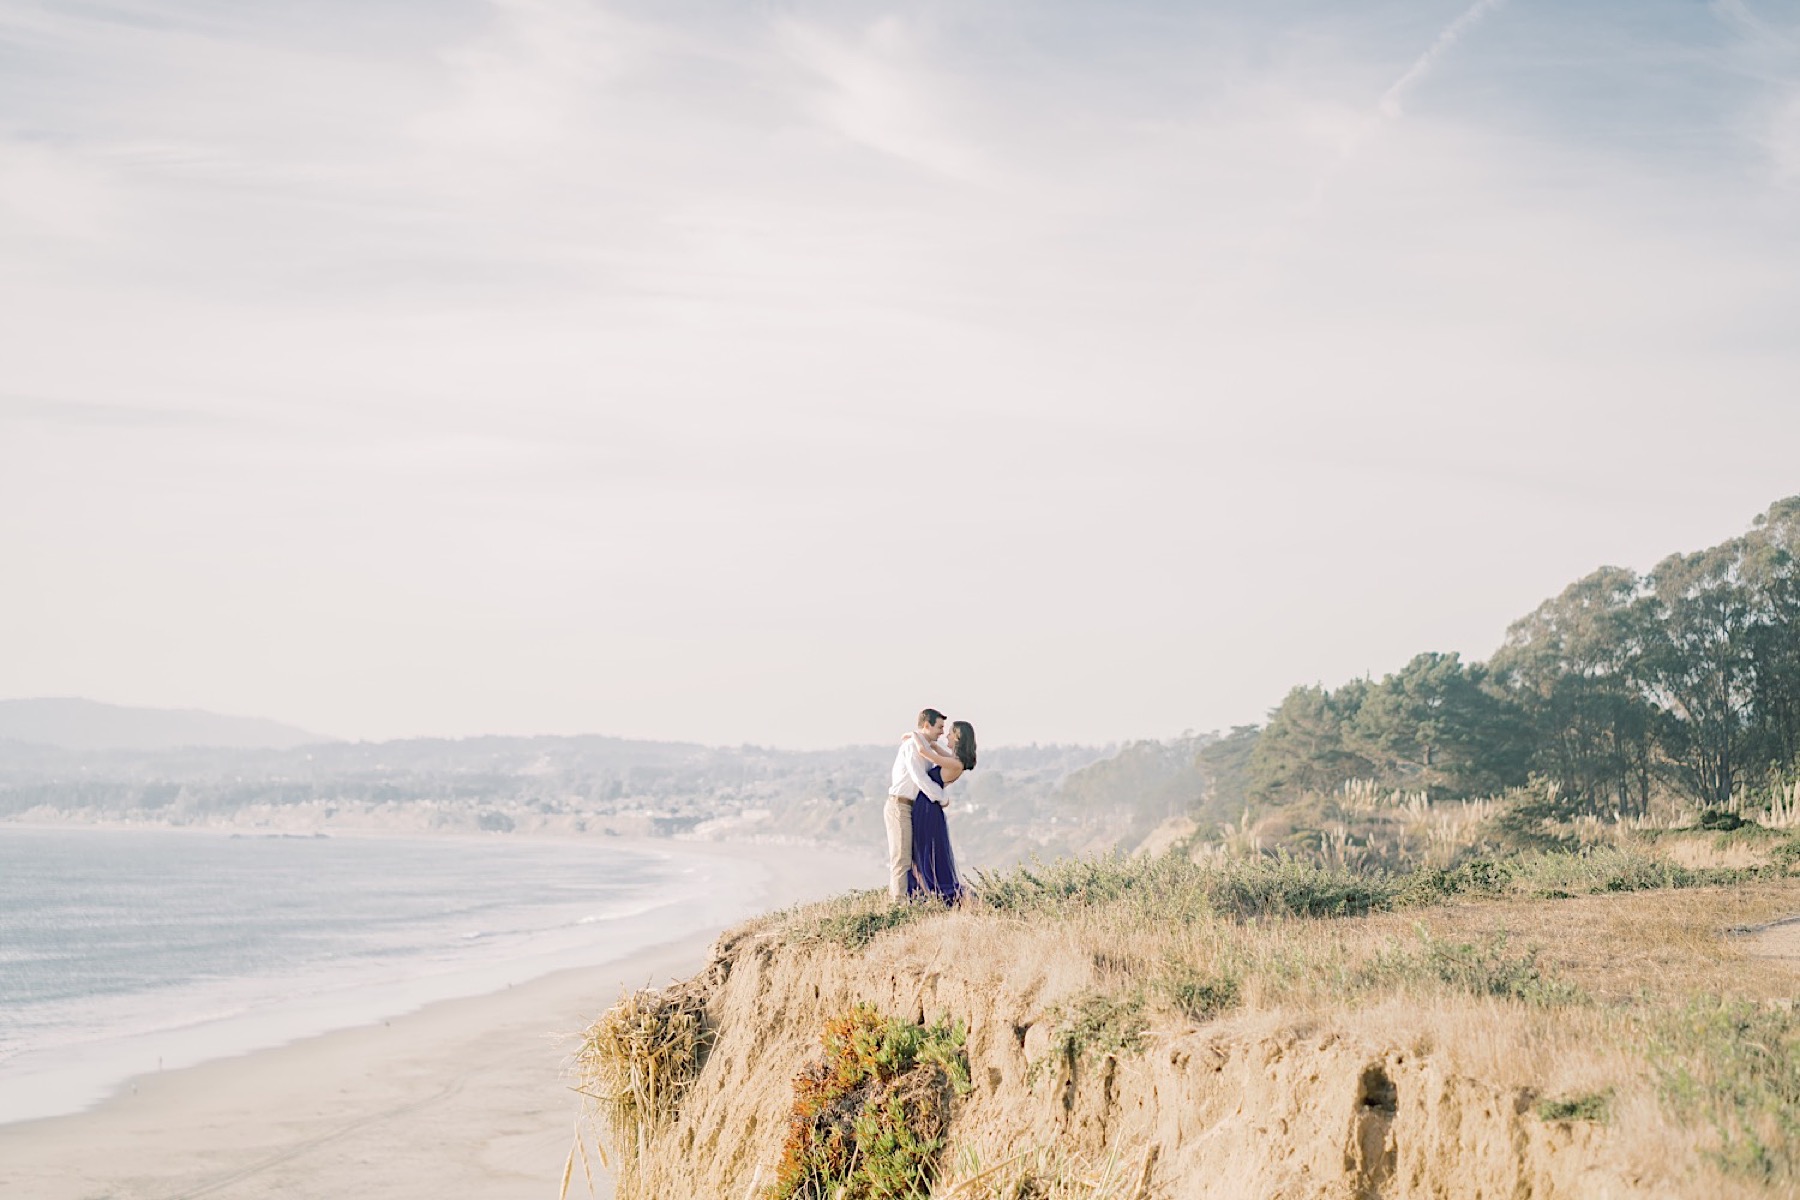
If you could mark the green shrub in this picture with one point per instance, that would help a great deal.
(1196, 994)
(856, 919)
(1093, 1024)
(1481, 969)
(1589, 1106)
(1482, 877)
(1287, 887)
(1786, 853)
(1558, 874)
(1072, 883)
(1608, 869)
(1173, 889)
(1736, 1066)
(869, 1116)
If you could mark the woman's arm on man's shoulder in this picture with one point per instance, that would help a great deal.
(929, 751)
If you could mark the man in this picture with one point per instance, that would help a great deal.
(909, 778)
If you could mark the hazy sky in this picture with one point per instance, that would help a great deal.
(761, 371)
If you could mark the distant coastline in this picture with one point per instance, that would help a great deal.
(1047, 800)
(404, 820)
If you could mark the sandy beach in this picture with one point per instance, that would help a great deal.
(461, 1098)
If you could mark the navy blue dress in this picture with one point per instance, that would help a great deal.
(933, 866)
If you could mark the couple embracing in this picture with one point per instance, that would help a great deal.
(918, 837)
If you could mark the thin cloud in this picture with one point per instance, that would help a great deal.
(875, 97)
(1738, 14)
(1390, 104)
(526, 81)
(1770, 55)
(1389, 107)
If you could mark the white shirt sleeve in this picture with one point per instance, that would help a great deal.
(916, 769)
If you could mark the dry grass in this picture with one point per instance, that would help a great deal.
(1362, 827)
(1784, 809)
(1714, 853)
(1595, 1009)
(1043, 1172)
(634, 1063)
(1667, 945)
(1558, 1000)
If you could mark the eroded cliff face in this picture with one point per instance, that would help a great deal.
(1377, 1102)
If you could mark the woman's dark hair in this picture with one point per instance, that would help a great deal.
(964, 743)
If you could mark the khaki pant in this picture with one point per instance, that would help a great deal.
(897, 815)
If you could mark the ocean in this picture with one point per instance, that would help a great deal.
(124, 952)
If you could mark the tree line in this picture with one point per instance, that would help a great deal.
(1684, 679)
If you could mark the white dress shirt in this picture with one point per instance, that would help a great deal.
(909, 777)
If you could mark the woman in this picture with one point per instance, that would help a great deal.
(933, 865)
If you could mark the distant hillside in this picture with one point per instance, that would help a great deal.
(1015, 805)
(73, 760)
(89, 725)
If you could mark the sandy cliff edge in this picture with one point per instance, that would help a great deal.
(1401, 1098)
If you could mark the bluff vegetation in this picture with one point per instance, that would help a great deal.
(1502, 929)
(1682, 683)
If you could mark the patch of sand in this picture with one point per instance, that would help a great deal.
(1778, 941)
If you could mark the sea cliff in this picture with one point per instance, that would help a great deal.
(1556, 1026)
